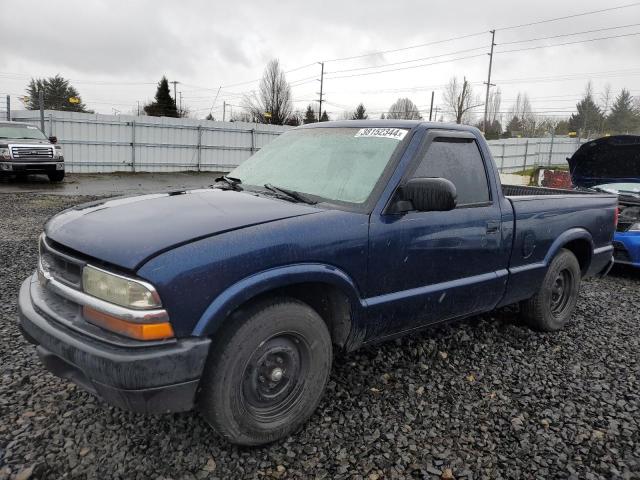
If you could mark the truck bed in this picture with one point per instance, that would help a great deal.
(544, 216)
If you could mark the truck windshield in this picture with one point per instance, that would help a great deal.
(334, 164)
(21, 131)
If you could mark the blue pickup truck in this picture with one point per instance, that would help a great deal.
(232, 299)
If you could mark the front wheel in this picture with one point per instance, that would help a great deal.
(551, 308)
(56, 176)
(266, 372)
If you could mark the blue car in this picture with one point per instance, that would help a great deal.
(612, 165)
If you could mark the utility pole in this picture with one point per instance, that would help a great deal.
(431, 107)
(175, 82)
(8, 108)
(321, 84)
(41, 102)
(180, 112)
(436, 116)
(138, 107)
(224, 111)
(489, 84)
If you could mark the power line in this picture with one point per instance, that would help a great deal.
(410, 61)
(592, 12)
(383, 52)
(570, 34)
(409, 67)
(569, 43)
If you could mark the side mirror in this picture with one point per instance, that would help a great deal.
(428, 195)
(53, 139)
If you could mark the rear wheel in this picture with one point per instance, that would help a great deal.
(266, 372)
(56, 176)
(551, 308)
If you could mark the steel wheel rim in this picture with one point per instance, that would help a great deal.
(561, 292)
(274, 376)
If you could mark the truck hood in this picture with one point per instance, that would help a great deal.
(128, 231)
(24, 141)
(606, 160)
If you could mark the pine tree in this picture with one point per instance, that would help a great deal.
(360, 113)
(57, 92)
(324, 117)
(562, 128)
(309, 116)
(589, 117)
(514, 127)
(164, 104)
(623, 117)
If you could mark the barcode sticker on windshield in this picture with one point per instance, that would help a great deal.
(395, 133)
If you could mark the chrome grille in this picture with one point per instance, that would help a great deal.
(31, 152)
(59, 265)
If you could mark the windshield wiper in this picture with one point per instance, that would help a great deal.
(292, 194)
(231, 183)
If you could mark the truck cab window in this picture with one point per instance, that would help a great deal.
(459, 161)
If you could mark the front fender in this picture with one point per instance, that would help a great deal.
(246, 289)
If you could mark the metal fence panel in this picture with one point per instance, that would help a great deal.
(96, 143)
(517, 154)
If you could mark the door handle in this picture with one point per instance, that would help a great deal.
(493, 227)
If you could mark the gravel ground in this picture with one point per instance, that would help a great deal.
(484, 398)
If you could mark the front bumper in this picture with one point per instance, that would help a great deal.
(627, 248)
(155, 379)
(31, 167)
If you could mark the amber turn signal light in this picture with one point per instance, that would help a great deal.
(139, 331)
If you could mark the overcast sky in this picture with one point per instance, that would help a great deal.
(115, 51)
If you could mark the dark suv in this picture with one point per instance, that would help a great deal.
(24, 149)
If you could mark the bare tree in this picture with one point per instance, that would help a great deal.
(460, 99)
(495, 102)
(241, 117)
(521, 117)
(403, 109)
(347, 115)
(272, 103)
(605, 105)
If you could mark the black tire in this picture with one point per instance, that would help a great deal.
(57, 176)
(551, 308)
(241, 396)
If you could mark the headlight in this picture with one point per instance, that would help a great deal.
(5, 154)
(120, 290)
(57, 151)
